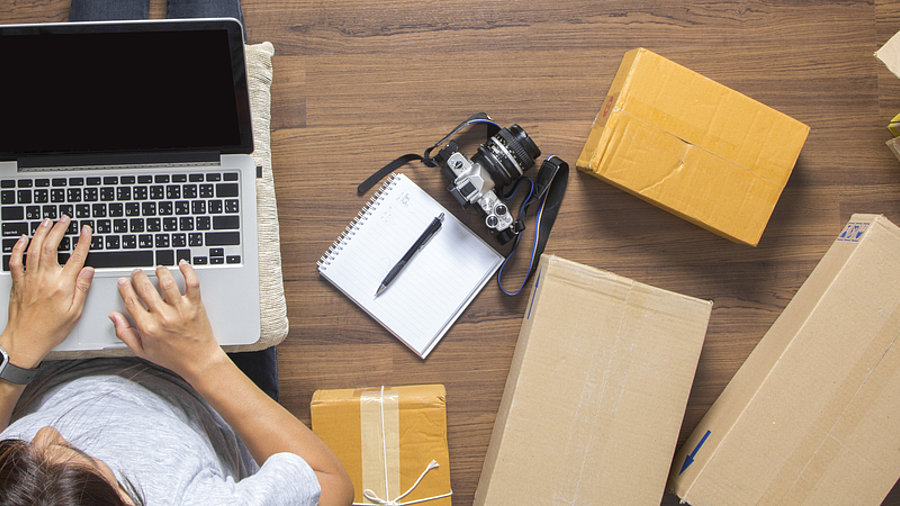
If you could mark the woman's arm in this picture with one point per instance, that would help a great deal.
(45, 302)
(172, 330)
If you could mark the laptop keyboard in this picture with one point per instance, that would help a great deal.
(137, 220)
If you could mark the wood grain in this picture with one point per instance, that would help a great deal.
(358, 83)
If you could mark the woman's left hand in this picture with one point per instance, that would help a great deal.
(46, 299)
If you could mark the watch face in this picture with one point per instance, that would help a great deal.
(5, 359)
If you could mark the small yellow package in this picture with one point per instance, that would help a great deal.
(391, 440)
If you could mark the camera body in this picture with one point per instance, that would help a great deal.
(499, 162)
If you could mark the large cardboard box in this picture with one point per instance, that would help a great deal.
(391, 440)
(811, 415)
(596, 391)
(692, 146)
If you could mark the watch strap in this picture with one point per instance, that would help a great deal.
(18, 375)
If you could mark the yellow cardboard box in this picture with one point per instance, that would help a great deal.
(810, 418)
(391, 440)
(692, 146)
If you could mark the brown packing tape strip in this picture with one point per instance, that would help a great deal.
(379, 414)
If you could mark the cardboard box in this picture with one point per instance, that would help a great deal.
(596, 391)
(894, 145)
(811, 415)
(388, 438)
(889, 54)
(692, 146)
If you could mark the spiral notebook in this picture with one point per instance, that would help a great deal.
(436, 286)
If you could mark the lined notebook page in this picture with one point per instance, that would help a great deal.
(435, 286)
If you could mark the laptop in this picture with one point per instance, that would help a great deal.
(140, 129)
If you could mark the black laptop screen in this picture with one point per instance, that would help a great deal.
(123, 88)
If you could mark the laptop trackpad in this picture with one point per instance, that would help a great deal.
(95, 330)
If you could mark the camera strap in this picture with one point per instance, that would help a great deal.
(426, 158)
(547, 191)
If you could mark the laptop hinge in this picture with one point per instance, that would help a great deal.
(115, 160)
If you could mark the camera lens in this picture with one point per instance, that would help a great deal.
(507, 155)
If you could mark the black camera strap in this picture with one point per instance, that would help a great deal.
(427, 159)
(547, 190)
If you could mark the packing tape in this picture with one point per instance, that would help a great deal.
(379, 413)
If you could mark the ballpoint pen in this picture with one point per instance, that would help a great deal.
(395, 270)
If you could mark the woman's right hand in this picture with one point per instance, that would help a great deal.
(170, 329)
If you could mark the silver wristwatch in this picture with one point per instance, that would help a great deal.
(13, 373)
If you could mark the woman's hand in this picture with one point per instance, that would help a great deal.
(170, 329)
(46, 300)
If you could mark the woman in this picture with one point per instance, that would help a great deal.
(125, 431)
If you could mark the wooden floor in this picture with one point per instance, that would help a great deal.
(360, 82)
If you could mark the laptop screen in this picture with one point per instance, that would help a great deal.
(123, 87)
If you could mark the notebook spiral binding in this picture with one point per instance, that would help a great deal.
(356, 222)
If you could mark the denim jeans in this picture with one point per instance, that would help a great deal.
(259, 366)
(105, 10)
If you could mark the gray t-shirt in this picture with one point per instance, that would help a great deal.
(153, 430)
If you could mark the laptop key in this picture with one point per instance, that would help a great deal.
(226, 222)
(135, 258)
(13, 213)
(32, 212)
(23, 196)
(42, 182)
(8, 183)
(58, 181)
(222, 238)
(8, 197)
(197, 260)
(224, 190)
(165, 257)
(233, 259)
(183, 254)
(145, 179)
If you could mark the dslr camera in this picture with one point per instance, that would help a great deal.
(498, 163)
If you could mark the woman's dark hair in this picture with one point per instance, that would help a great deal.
(27, 478)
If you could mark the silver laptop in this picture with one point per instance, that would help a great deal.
(142, 131)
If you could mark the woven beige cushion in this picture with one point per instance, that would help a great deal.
(272, 306)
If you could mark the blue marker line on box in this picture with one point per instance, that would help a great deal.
(690, 458)
(537, 282)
